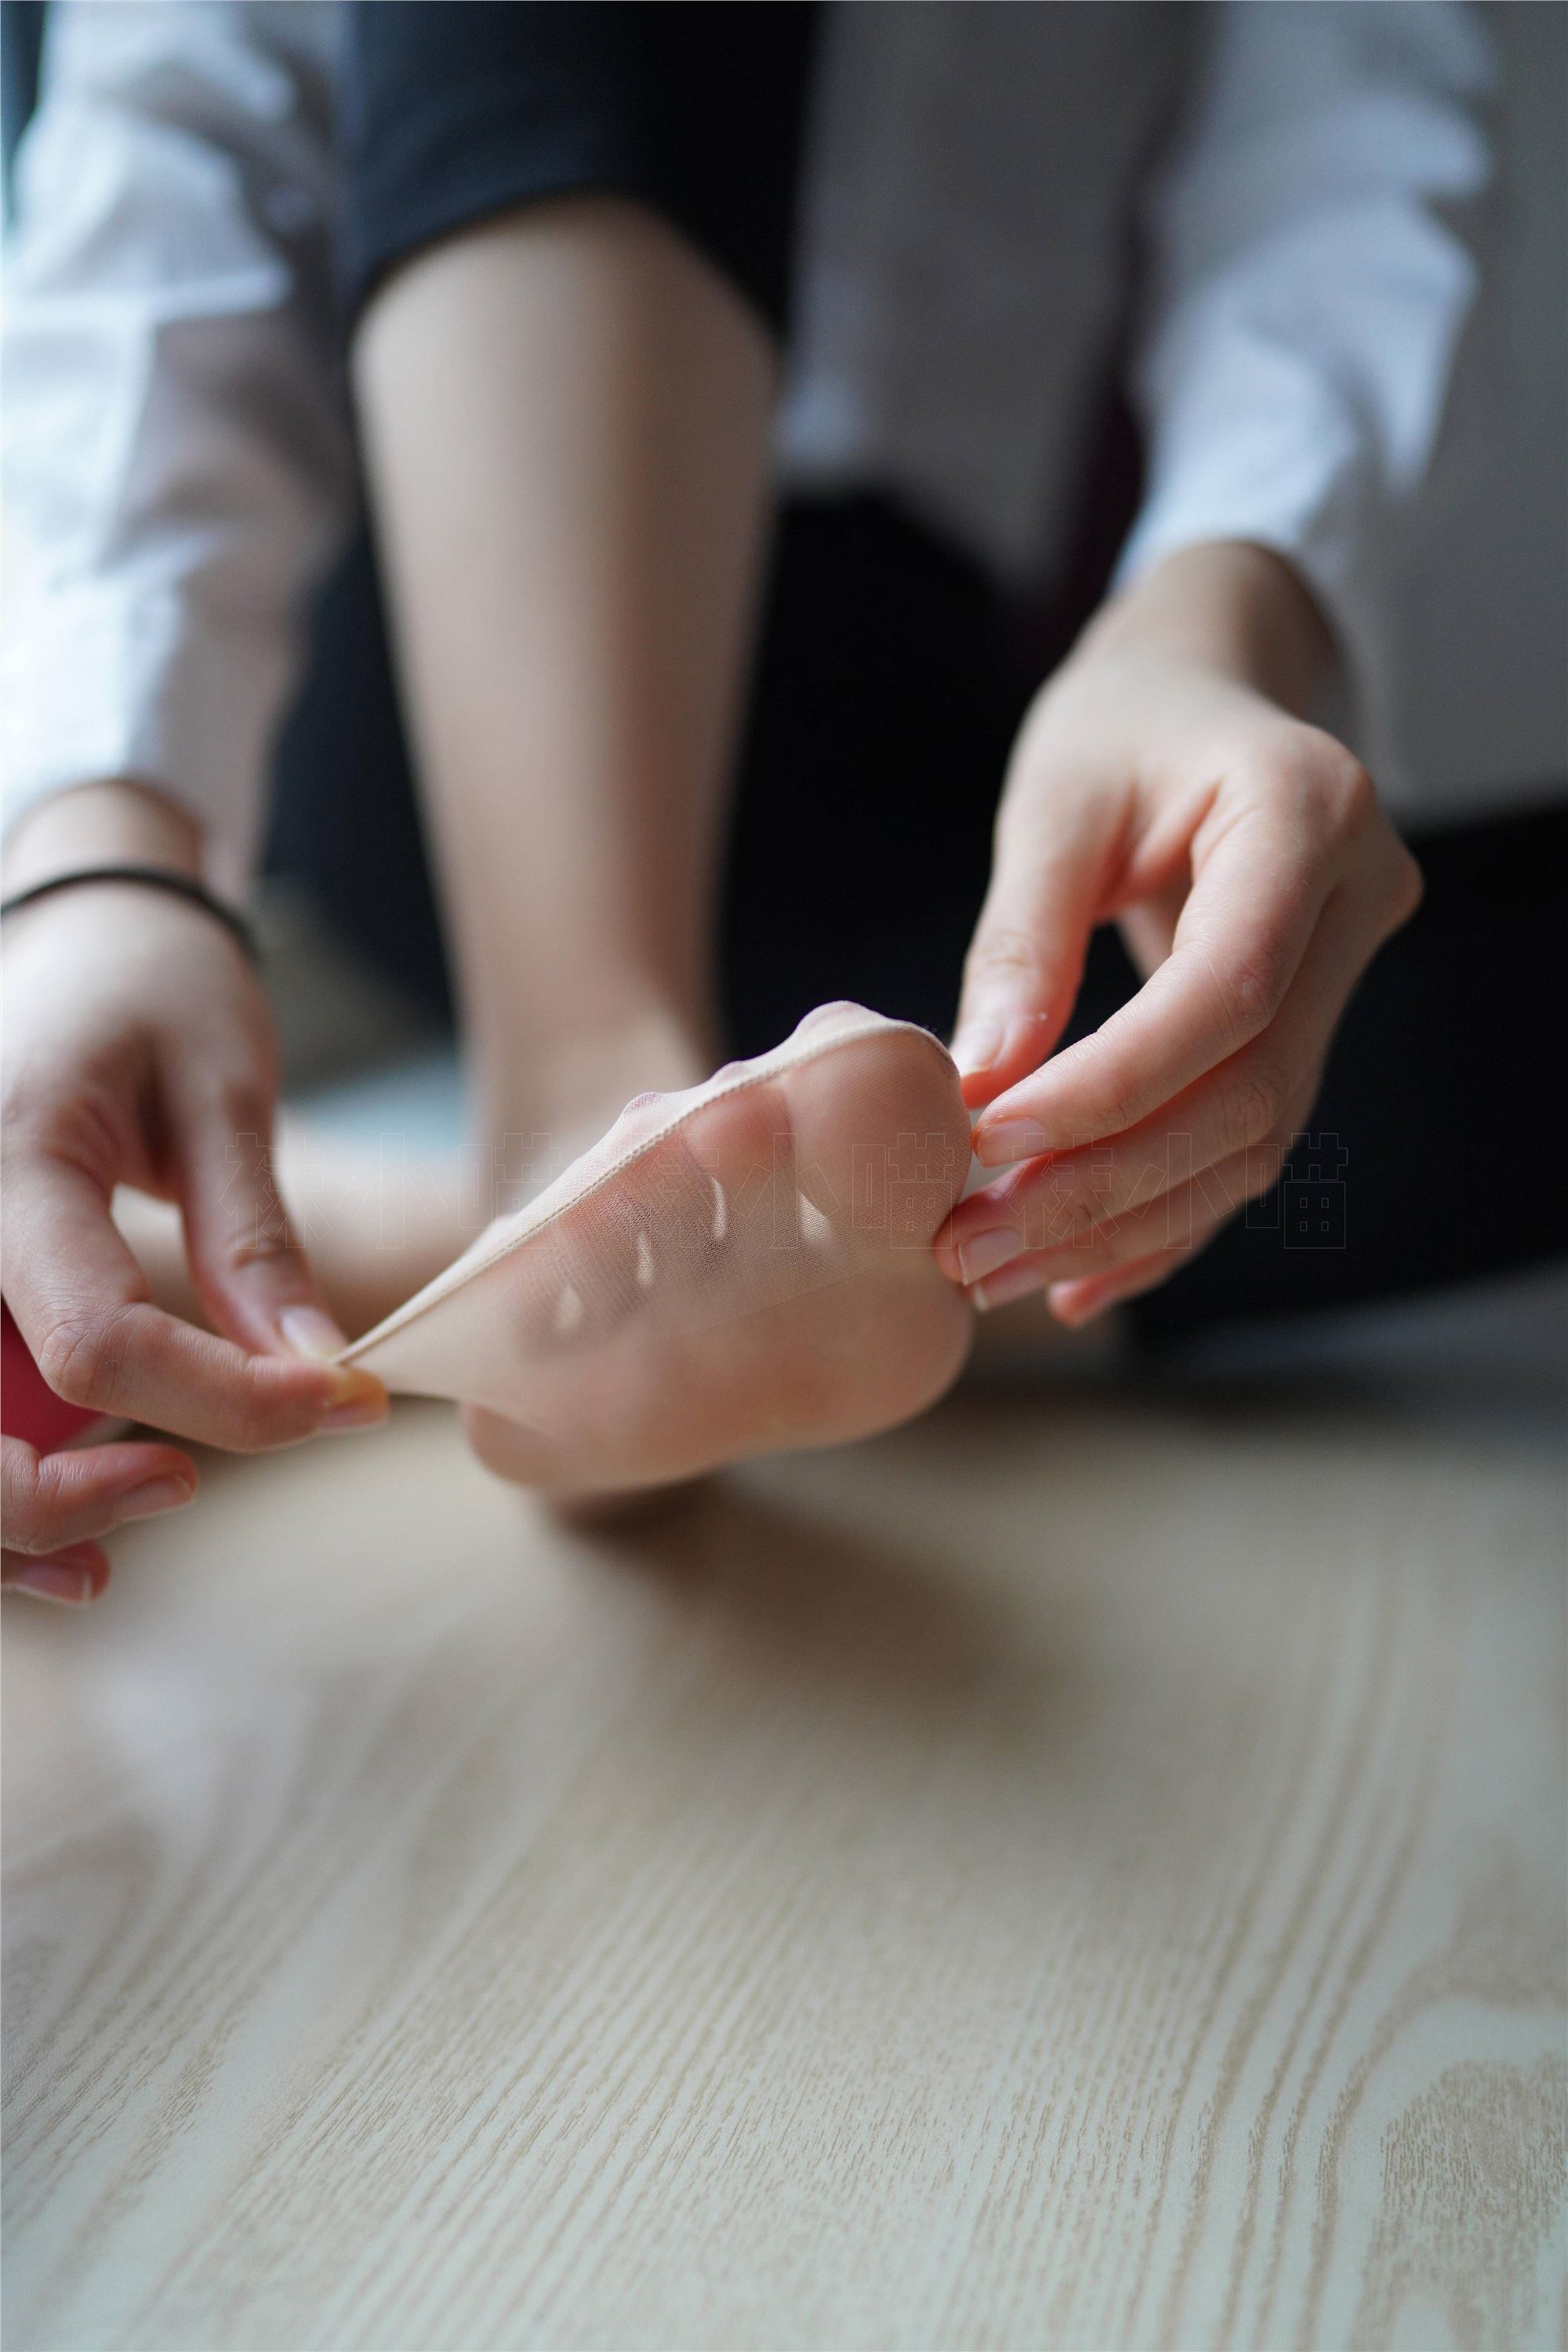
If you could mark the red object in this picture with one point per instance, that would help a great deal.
(29, 1406)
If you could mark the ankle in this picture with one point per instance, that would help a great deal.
(550, 1099)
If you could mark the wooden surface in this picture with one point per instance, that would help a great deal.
(1086, 1871)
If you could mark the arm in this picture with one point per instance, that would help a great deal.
(1312, 269)
(177, 455)
(173, 449)
(1308, 292)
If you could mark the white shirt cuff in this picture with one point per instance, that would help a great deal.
(101, 679)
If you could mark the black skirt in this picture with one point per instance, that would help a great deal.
(456, 108)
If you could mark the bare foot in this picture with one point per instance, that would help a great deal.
(737, 1269)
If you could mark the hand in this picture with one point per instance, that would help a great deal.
(1161, 780)
(139, 1051)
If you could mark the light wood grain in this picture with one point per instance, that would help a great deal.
(1085, 1871)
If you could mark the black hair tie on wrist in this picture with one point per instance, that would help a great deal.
(149, 878)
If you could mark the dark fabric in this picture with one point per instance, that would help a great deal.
(21, 52)
(453, 111)
(344, 817)
(882, 709)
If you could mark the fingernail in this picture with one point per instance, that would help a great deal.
(48, 1580)
(358, 1398)
(1074, 1316)
(359, 1412)
(159, 1495)
(998, 1142)
(987, 1251)
(310, 1332)
(1014, 1282)
(977, 1044)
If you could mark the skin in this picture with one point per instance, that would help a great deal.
(1165, 780)
(138, 1050)
(566, 417)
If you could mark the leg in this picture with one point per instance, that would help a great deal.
(566, 416)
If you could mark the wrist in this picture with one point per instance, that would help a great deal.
(116, 821)
(1226, 607)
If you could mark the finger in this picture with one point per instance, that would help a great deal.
(1148, 926)
(1258, 1096)
(80, 1301)
(1169, 1228)
(251, 1275)
(71, 1578)
(1048, 1205)
(55, 1499)
(1075, 1304)
(1246, 926)
(1055, 860)
(1248, 1106)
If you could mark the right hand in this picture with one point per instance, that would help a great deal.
(138, 1050)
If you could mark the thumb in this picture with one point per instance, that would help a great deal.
(1050, 880)
(251, 1273)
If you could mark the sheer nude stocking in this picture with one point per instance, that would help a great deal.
(740, 1268)
(566, 417)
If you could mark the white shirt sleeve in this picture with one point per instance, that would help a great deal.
(1309, 283)
(177, 460)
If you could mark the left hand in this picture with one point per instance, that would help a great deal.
(1161, 780)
